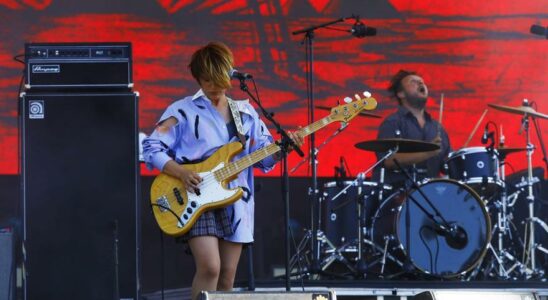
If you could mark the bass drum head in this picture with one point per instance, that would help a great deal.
(430, 249)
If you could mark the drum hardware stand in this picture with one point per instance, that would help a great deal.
(322, 240)
(301, 255)
(502, 226)
(361, 263)
(529, 257)
(385, 252)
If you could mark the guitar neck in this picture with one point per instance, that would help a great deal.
(236, 167)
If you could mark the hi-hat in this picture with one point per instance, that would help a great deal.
(507, 150)
(520, 110)
(404, 145)
(362, 113)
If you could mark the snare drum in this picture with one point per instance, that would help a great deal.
(341, 215)
(477, 167)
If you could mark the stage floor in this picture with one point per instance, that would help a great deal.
(370, 289)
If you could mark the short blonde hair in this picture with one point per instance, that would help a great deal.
(212, 62)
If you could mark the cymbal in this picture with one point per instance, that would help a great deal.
(507, 150)
(520, 110)
(404, 145)
(362, 113)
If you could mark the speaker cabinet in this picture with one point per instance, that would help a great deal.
(80, 190)
(320, 295)
(475, 295)
(7, 265)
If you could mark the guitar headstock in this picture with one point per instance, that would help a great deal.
(352, 108)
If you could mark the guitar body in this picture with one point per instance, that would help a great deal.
(176, 210)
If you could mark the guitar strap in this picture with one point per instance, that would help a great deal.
(237, 120)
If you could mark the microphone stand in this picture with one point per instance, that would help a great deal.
(284, 144)
(313, 191)
(317, 150)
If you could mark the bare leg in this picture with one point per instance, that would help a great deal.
(205, 250)
(230, 255)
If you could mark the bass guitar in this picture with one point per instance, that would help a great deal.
(176, 210)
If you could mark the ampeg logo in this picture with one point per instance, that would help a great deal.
(36, 109)
(46, 69)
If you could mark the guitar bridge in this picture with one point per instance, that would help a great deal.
(163, 204)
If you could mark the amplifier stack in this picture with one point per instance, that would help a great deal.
(80, 172)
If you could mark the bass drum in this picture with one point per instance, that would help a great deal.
(432, 251)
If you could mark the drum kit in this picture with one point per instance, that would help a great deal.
(458, 227)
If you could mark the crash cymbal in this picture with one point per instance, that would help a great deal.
(520, 110)
(507, 150)
(362, 113)
(404, 145)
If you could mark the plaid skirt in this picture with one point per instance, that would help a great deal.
(213, 223)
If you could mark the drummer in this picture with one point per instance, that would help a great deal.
(412, 121)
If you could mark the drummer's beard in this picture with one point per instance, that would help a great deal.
(416, 101)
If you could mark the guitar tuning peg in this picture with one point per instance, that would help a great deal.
(358, 97)
(367, 94)
(347, 99)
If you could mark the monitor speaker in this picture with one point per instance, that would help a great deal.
(320, 295)
(474, 295)
(80, 190)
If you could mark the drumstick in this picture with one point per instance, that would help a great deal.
(475, 128)
(440, 115)
(441, 109)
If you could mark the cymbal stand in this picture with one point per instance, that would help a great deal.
(529, 255)
(324, 245)
(362, 266)
(328, 247)
(502, 222)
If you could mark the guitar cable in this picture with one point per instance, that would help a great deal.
(162, 272)
(168, 209)
(162, 246)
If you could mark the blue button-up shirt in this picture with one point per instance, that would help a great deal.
(199, 132)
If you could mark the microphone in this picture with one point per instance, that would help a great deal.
(502, 138)
(454, 235)
(237, 75)
(485, 135)
(359, 30)
(342, 169)
(539, 30)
